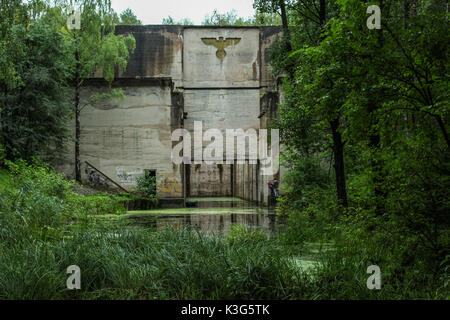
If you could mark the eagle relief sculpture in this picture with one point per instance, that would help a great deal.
(221, 44)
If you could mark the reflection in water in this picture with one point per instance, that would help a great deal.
(209, 216)
(241, 213)
(223, 204)
(219, 223)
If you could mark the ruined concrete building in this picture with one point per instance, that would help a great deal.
(178, 75)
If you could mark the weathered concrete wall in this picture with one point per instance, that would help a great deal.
(158, 53)
(237, 67)
(123, 137)
(245, 183)
(267, 35)
(250, 184)
(269, 111)
(222, 109)
(219, 74)
(66, 164)
(179, 52)
(210, 180)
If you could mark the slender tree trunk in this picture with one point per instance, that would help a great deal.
(77, 118)
(406, 12)
(323, 13)
(375, 141)
(377, 167)
(443, 130)
(410, 10)
(4, 126)
(290, 67)
(338, 150)
(284, 21)
(338, 144)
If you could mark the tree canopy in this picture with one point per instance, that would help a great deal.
(127, 17)
(377, 101)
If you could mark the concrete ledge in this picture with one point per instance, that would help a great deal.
(129, 82)
(171, 203)
(163, 203)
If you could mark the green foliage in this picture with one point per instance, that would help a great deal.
(146, 186)
(171, 21)
(13, 14)
(35, 203)
(95, 43)
(127, 17)
(101, 204)
(39, 58)
(369, 240)
(230, 18)
(243, 233)
(2, 154)
(138, 264)
(38, 202)
(46, 227)
(387, 89)
(34, 111)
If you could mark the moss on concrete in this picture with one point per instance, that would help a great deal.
(194, 211)
(215, 199)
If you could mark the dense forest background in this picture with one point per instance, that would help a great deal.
(365, 127)
(364, 123)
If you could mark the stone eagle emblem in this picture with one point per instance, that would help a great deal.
(221, 44)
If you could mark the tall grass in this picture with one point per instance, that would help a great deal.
(45, 227)
(137, 264)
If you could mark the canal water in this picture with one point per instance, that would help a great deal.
(215, 215)
(218, 215)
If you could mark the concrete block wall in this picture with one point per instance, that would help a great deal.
(158, 53)
(210, 180)
(178, 75)
(175, 51)
(250, 184)
(224, 93)
(124, 137)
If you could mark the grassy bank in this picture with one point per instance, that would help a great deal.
(136, 264)
(46, 227)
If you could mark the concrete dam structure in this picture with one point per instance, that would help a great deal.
(176, 76)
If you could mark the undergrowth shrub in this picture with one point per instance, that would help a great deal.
(239, 232)
(39, 202)
(101, 204)
(146, 186)
(409, 238)
(34, 204)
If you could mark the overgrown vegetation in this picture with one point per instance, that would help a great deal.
(364, 124)
(46, 227)
(34, 94)
(146, 186)
(230, 18)
(44, 64)
(139, 264)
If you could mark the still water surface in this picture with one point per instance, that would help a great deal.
(212, 215)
